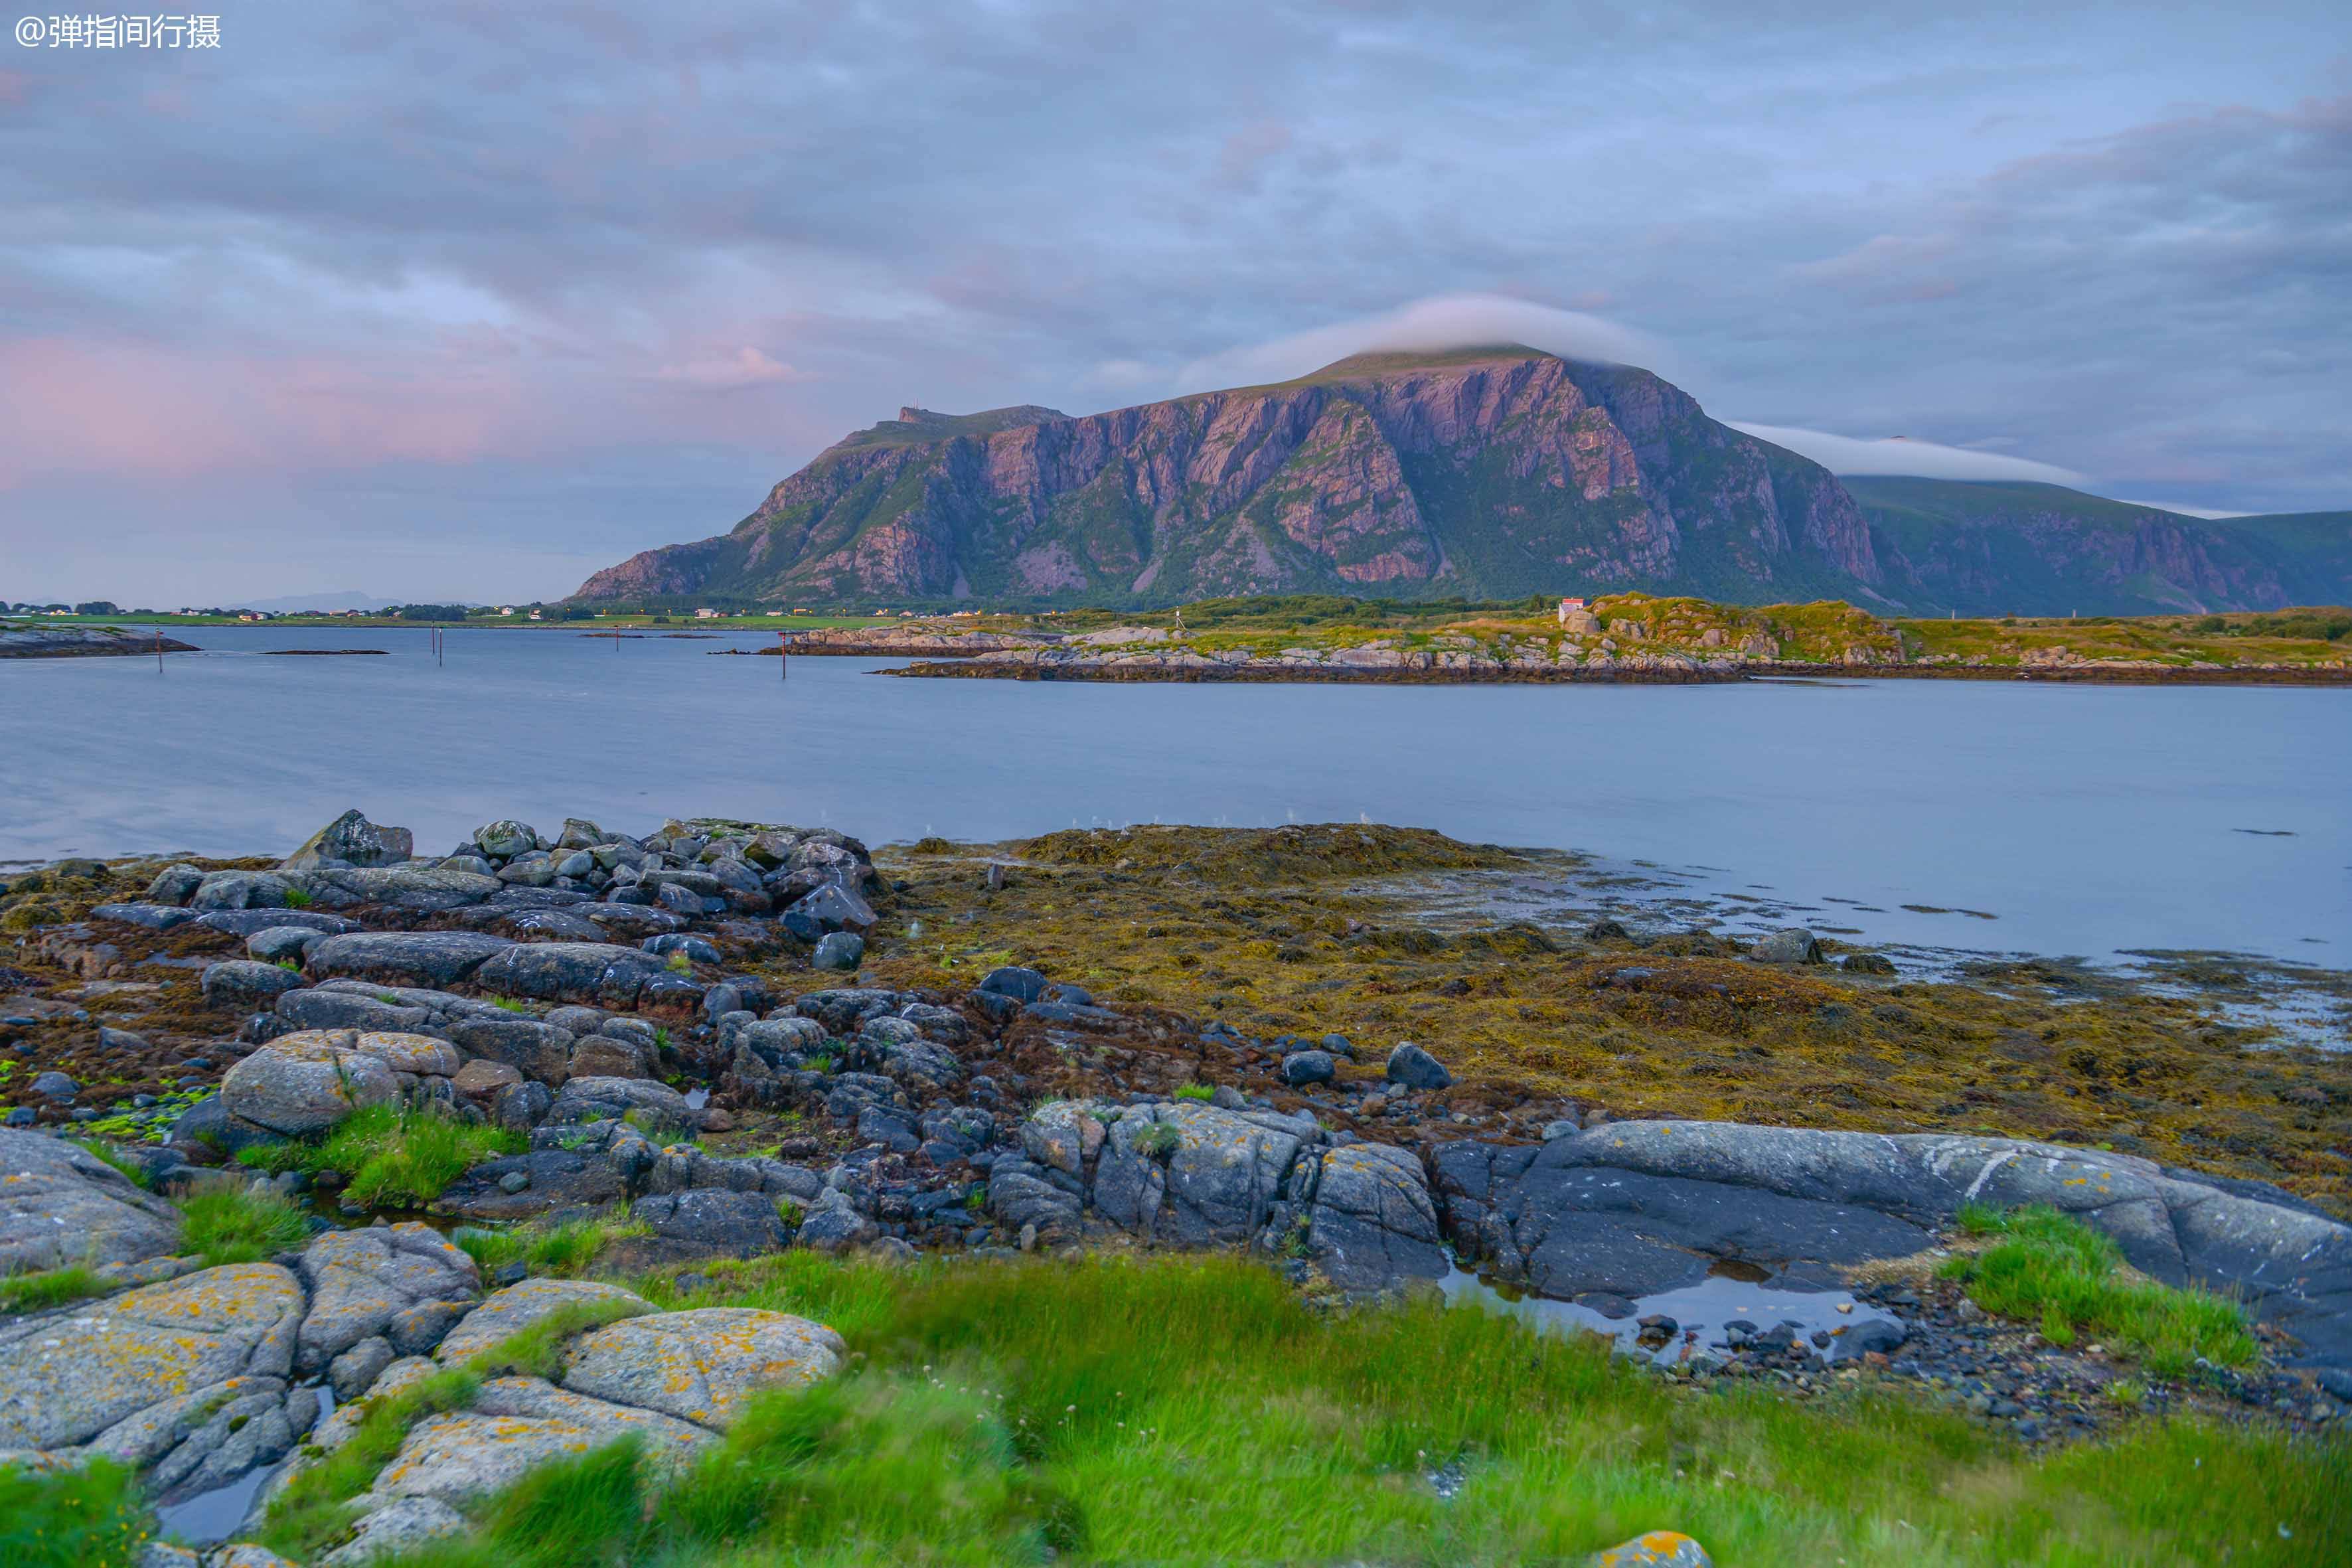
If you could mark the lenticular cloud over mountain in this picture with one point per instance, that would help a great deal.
(1901, 455)
(1441, 322)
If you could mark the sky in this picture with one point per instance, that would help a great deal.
(466, 300)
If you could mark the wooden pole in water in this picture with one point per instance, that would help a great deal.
(783, 647)
(159, 650)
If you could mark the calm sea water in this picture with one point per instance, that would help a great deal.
(2088, 819)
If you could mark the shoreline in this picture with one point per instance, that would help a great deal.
(981, 667)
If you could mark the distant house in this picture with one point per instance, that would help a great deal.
(706, 615)
(534, 615)
(506, 609)
(799, 611)
(1570, 605)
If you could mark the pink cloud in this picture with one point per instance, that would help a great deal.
(730, 372)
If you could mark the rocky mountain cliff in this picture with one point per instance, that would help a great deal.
(1486, 473)
(1483, 473)
(2044, 550)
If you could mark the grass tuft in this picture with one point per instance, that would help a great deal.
(224, 1221)
(393, 1156)
(2048, 1269)
(38, 1291)
(77, 1518)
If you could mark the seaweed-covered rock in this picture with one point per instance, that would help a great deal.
(352, 840)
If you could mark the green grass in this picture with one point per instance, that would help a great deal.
(1195, 1091)
(224, 1222)
(393, 1156)
(2047, 1268)
(93, 1516)
(566, 1248)
(299, 899)
(133, 1171)
(38, 1291)
(1198, 1411)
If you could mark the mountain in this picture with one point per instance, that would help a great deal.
(1481, 473)
(1999, 548)
(1489, 472)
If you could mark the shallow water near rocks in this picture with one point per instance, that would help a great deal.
(2088, 818)
(1730, 1293)
(209, 1518)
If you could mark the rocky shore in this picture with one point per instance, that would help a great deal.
(687, 1035)
(31, 639)
(1623, 650)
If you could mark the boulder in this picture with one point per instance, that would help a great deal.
(414, 889)
(552, 1180)
(609, 1055)
(839, 950)
(399, 1528)
(834, 908)
(614, 1099)
(1793, 945)
(271, 944)
(570, 971)
(698, 950)
(352, 840)
(304, 1083)
(505, 838)
(59, 1204)
(176, 884)
(1302, 1068)
(701, 1365)
(362, 1281)
(539, 1051)
(435, 958)
(1410, 1067)
(149, 917)
(510, 1311)
(243, 983)
(68, 1381)
(1654, 1549)
(1021, 984)
(334, 1009)
(1371, 1224)
(707, 1223)
(240, 890)
(246, 923)
(834, 1223)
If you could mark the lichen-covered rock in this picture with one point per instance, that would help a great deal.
(700, 1366)
(396, 1529)
(1371, 1224)
(306, 1082)
(59, 1204)
(515, 1424)
(510, 1311)
(245, 983)
(67, 1380)
(1656, 1549)
(360, 1280)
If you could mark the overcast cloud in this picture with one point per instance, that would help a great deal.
(467, 300)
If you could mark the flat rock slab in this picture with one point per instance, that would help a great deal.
(518, 1307)
(516, 1425)
(433, 959)
(701, 1365)
(59, 1204)
(1621, 1208)
(64, 1380)
(554, 1179)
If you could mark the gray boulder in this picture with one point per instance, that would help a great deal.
(245, 983)
(362, 1281)
(1413, 1068)
(571, 971)
(273, 943)
(246, 923)
(149, 917)
(505, 838)
(174, 884)
(839, 950)
(330, 1009)
(552, 1180)
(305, 1083)
(835, 907)
(709, 1223)
(1793, 945)
(833, 1223)
(614, 1099)
(414, 889)
(1371, 1224)
(352, 840)
(240, 890)
(1301, 1067)
(433, 959)
(59, 1204)
(539, 1051)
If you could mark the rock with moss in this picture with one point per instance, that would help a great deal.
(510, 1311)
(61, 1204)
(1654, 1549)
(304, 1083)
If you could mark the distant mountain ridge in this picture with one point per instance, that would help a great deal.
(1489, 472)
